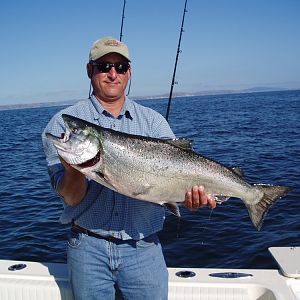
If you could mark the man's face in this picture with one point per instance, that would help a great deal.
(109, 86)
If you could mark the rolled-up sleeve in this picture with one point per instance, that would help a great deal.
(55, 167)
(56, 173)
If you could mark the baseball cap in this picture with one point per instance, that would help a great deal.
(107, 45)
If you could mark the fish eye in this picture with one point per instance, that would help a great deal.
(75, 130)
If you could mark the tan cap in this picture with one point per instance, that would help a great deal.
(108, 45)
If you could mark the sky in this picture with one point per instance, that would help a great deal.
(226, 44)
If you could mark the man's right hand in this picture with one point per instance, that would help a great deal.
(73, 185)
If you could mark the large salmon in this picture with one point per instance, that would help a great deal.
(156, 170)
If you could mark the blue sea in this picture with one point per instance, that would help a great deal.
(258, 132)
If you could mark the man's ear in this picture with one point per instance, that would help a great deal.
(89, 70)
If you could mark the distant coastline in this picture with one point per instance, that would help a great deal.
(162, 96)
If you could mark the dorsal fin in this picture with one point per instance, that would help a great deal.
(181, 143)
(238, 171)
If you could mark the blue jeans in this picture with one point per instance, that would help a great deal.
(138, 269)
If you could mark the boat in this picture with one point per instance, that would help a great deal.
(25, 280)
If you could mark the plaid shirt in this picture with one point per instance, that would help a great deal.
(103, 210)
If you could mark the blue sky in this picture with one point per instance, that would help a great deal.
(226, 44)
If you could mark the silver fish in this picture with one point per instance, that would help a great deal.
(156, 170)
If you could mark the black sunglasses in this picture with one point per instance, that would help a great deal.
(105, 67)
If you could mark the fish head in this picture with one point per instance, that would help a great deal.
(80, 144)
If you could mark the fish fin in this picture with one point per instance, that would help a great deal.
(184, 144)
(101, 179)
(173, 208)
(238, 171)
(142, 191)
(258, 211)
(220, 199)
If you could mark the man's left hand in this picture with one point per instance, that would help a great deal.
(197, 198)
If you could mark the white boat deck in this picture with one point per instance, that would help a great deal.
(49, 281)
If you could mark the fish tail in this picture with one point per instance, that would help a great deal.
(258, 211)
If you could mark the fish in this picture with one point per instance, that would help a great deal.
(157, 170)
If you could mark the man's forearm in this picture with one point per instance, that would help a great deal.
(72, 187)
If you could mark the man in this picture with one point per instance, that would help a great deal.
(113, 239)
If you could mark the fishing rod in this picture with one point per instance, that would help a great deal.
(122, 21)
(175, 67)
(121, 35)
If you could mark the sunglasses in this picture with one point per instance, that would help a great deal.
(105, 67)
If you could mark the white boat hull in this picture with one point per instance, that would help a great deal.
(49, 281)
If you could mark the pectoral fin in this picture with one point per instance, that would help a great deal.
(173, 208)
(238, 171)
(221, 199)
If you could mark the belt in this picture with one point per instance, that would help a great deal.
(78, 229)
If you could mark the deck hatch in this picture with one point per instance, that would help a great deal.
(17, 267)
(230, 275)
(185, 274)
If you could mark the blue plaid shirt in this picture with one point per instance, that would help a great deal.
(102, 210)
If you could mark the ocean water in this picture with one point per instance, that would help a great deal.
(259, 132)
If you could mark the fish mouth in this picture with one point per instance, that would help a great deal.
(59, 141)
(91, 162)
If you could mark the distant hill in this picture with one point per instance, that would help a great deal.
(41, 104)
(161, 96)
(215, 92)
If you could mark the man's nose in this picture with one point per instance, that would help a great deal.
(112, 73)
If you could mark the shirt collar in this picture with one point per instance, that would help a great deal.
(98, 109)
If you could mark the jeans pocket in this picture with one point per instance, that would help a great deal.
(75, 239)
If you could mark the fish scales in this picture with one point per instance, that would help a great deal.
(167, 161)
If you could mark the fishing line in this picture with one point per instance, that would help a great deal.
(128, 90)
(178, 227)
(90, 90)
(209, 219)
(204, 228)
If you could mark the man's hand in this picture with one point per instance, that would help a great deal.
(73, 185)
(197, 198)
